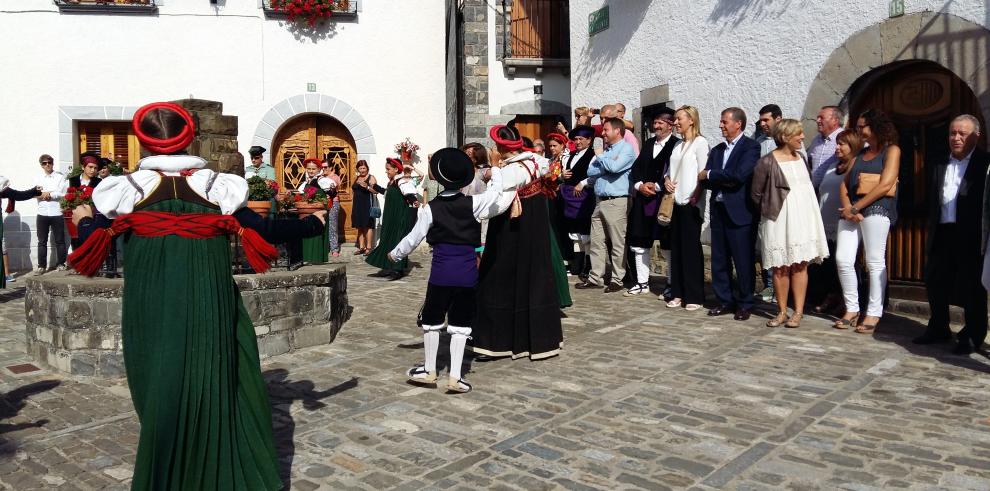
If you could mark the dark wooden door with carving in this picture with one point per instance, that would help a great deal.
(921, 98)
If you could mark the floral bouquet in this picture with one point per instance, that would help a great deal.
(310, 10)
(261, 189)
(406, 149)
(311, 195)
(75, 196)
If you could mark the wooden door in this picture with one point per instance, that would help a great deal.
(324, 138)
(921, 98)
(535, 126)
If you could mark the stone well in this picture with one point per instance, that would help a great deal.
(73, 322)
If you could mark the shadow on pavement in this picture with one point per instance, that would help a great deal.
(282, 393)
(12, 403)
(901, 330)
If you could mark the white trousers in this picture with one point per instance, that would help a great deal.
(641, 259)
(873, 230)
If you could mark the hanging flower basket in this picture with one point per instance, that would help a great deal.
(311, 11)
(406, 149)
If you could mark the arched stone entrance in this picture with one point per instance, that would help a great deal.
(319, 126)
(923, 70)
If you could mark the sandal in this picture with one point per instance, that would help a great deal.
(866, 329)
(795, 321)
(691, 307)
(844, 323)
(778, 320)
(673, 304)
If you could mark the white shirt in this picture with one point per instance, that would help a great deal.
(55, 184)
(117, 195)
(577, 157)
(954, 173)
(686, 162)
(484, 206)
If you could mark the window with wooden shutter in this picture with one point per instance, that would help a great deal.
(539, 29)
(111, 139)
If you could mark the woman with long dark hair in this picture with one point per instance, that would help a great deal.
(869, 208)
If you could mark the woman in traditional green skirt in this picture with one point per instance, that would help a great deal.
(315, 250)
(397, 221)
(189, 345)
(13, 195)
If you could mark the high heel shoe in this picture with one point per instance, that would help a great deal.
(777, 320)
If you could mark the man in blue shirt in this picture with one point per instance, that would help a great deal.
(609, 176)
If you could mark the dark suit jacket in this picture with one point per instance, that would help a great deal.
(969, 206)
(734, 179)
(578, 167)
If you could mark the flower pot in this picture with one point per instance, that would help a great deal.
(73, 231)
(406, 155)
(304, 209)
(260, 207)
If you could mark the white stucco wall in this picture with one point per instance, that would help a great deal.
(503, 90)
(388, 65)
(715, 54)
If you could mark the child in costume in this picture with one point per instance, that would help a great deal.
(451, 223)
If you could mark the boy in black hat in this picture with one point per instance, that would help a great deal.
(451, 223)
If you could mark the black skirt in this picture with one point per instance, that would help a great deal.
(518, 308)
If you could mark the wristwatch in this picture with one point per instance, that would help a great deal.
(854, 210)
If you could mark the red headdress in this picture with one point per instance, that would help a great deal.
(558, 137)
(89, 159)
(394, 161)
(313, 160)
(510, 144)
(167, 145)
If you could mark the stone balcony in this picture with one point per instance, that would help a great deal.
(73, 322)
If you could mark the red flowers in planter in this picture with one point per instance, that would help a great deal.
(311, 10)
(75, 196)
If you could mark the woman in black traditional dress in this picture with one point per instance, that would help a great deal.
(518, 304)
(365, 188)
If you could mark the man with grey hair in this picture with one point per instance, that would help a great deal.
(822, 149)
(733, 217)
(953, 246)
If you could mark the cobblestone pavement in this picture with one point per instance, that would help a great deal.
(642, 398)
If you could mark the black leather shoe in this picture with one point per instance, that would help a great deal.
(587, 285)
(932, 338)
(613, 287)
(721, 310)
(484, 358)
(963, 347)
(743, 315)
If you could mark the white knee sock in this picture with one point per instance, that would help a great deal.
(431, 341)
(642, 262)
(457, 342)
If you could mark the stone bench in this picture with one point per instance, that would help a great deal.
(73, 322)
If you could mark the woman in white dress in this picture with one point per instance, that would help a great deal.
(791, 229)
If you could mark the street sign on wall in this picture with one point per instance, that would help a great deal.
(598, 21)
(896, 8)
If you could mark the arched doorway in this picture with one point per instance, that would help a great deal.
(921, 97)
(322, 137)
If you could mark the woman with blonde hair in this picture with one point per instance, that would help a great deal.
(791, 230)
(687, 272)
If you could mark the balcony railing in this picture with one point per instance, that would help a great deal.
(108, 6)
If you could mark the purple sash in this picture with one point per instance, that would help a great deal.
(650, 207)
(576, 206)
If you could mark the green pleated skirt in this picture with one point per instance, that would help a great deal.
(193, 368)
(316, 250)
(559, 272)
(396, 223)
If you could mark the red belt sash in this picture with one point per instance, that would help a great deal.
(88, 258)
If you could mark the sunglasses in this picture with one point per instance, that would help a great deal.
(48, 163)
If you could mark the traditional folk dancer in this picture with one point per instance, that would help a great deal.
(12, 195)
(315, 250)
(577, 205)
(451, 223)
(518, 302)
(396, 222)
(193, 372)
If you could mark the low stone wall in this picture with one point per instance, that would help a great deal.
(73, 322)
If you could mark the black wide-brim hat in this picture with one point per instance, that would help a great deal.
(452, 168)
